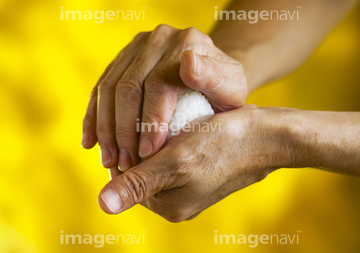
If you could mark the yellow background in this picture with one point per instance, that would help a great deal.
(48, 183)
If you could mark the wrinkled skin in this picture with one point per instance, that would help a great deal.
(196, 169)
(144, 81)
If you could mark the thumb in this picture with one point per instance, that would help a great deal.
(223, 81)
(132, 187)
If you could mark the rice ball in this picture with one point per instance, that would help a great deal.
(190, 105)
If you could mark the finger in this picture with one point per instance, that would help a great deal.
(162, 88)
(129, 97)
(222, 81)
(89, 123)
(135, 186)
(105, 125)
(114, 172)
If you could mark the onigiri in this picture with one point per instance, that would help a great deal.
(190, 105)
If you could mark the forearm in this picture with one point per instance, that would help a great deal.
(270, 49)
(326, 140)
(318, 139)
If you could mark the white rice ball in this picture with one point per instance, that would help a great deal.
(190, 105)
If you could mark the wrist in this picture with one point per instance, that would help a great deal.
(285, 131)
(259, 139)
(294, 138)
(263, 137)
(303, 137)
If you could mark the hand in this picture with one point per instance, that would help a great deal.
(196, 169)
(144, 81)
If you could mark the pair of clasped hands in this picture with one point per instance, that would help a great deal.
(193, 170)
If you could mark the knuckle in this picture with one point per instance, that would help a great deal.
(106, 86)
(163, 27)
(151, 125)
(103, 130)
(124, 134)
(129, 89)
(183, 154)
(193, 33)
(153, 83)
(140, 36)
(161, 31)
(193, 81)
(134, 187)
(190, 32)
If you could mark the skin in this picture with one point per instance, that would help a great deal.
(146, 77)
(271, 49)
(144, 82)
(190, 174)
(179, 182)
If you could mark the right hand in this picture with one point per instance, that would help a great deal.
(144, 81)
(199, 167)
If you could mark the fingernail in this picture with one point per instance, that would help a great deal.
(85, 139)
(111, 200)
(105, 156)
(124, 160)
(198, 66)
(145, 148)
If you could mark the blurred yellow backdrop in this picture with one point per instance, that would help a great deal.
(49, 184)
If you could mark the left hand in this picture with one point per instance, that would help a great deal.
(196, 169)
